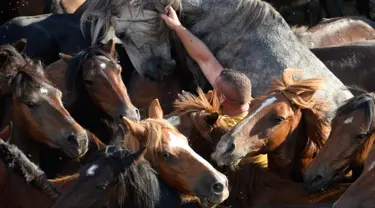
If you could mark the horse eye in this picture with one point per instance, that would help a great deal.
(30, 104)
(279, 119)
(361, 136)
(101, 187)
(88, 82)
(167, 156)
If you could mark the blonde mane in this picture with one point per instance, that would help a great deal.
(198, 105)
(153, 138)
(313, 109)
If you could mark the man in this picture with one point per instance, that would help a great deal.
(233, 87)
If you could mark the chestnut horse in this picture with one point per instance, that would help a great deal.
(34, 106)
(361, 192)
(336, 32)
(289, 125)
(351, 138)
(94, 92)
(171, 156)
(251, 184)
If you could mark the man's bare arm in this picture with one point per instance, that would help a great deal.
(197, 50)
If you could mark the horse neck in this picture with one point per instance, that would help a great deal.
(26, 143)
(16, 193)
(286, 159)
(254, 186)
(247, 33)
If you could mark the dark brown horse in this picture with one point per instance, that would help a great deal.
(336, 32)
(115, 178)
(22, 183)
(94, 92)
(353, 64)
(351, 138)
(361, 192)
(170, 155)
(34, 106)
(289, 125)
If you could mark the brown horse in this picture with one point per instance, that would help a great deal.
(179, 166)
(351, 138)
(251, 184)
(336, 32)
(34, 106)
(115, 178)
(361, 192)
(94, 92)
(353, 64)
(288, 125)
(22, 183)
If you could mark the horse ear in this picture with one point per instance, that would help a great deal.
(20, 45)
(209, 95)
(3, 58)
(135, 129)
(5, 133)
(109, 47)
(39, 68)
(155, 111)
(211, 118)
(65, 57)
(118, 137)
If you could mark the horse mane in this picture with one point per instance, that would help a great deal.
(314, 110)
(16, 160)
(365, 101)
(24, 78)
(75, 67)
(153, 136)
(196, 106)
(98, 16)
(140, 178)
(15, 59)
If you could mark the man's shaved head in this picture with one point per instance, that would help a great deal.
(234, 85)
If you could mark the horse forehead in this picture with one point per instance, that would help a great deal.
(91, 171)
(177, 141)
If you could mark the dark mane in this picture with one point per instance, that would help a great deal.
(365, 102)
(14, 58)
(16, 160)
(74, 71)
(22, 74)
(138, 182)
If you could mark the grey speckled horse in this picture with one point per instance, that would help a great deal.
(246, 35)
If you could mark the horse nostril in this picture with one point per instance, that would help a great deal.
(72, 139)
(317, 178)
(231, 148)
(137, 113)
(218, 188)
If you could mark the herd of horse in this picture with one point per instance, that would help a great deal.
(100, 106)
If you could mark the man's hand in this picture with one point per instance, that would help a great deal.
(170, 17)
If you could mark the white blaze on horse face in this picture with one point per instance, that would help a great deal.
(348, 120)
(91, 170)
(103, 65)
(266, 103)
(44, 90)
(179, 141)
